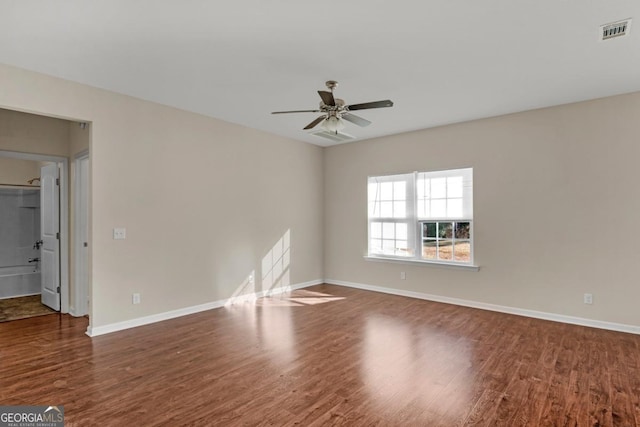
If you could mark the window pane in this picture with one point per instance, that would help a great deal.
(421, 208)
(445, 230)
(402, 248)
(454, 208)
(376, 245)
(445, 249)
(429, 229)
(374, 209)
(454, 186)
(462, 251)
(400, 209)
(401, 231)
(463, 230)
(439, 188)
(422, 186)
(388, 246)
(429, 249)
(438, 208)
(376, 230)
(424, 208)
(373, 189)
(400, 190)
(388, 230)
(386, 209)
(386, 191)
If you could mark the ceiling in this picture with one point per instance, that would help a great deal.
(440, 62)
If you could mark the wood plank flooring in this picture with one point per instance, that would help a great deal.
(326, 355)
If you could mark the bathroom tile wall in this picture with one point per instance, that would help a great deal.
(19, 226)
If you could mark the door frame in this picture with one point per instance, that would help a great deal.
(81, 290)
(63, 165)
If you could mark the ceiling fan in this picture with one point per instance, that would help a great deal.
(335, 111)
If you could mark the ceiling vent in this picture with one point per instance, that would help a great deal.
(334, 136)
(615, 29)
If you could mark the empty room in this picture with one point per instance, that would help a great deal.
(293, 214)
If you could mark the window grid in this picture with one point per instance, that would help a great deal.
(390, 238)
(440, 197)
(446, 240)
(390, 224)
(400, 206)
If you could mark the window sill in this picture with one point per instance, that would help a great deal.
(429, 263)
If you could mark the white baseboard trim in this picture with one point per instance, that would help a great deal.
(146, 320)
(21, 295)
(619, 327)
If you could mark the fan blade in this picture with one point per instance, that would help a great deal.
(367, 105)
(355, 119)
(314, 123)
(296, 111)
(327, 98)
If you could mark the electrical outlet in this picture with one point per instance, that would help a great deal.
(588, 298)
(119, 233)
(135, 299)
(403, 275)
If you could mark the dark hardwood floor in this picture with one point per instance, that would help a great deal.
(326, 355)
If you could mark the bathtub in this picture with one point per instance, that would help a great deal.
(19, 280)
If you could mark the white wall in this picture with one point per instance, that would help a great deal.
(556, 205)
(203, 201)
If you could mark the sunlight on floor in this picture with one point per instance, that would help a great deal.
(271, 320)
(297, 298)
(406, 364)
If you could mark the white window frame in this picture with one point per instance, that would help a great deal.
(407, 219)
(415, 223)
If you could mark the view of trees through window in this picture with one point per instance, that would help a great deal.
(445, 240)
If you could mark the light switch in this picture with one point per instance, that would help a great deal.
(119, 233)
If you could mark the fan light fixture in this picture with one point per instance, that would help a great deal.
(335, 111)
(332, 124)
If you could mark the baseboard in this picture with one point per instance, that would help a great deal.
(619, 327)
(141, 321)
(146, 320)
(21, 295)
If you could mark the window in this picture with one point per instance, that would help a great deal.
(423, 216)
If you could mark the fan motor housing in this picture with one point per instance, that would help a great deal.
(339, 105)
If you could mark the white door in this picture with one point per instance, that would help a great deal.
(50, 229)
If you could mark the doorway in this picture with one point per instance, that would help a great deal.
(32, 137)
(35, 269)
